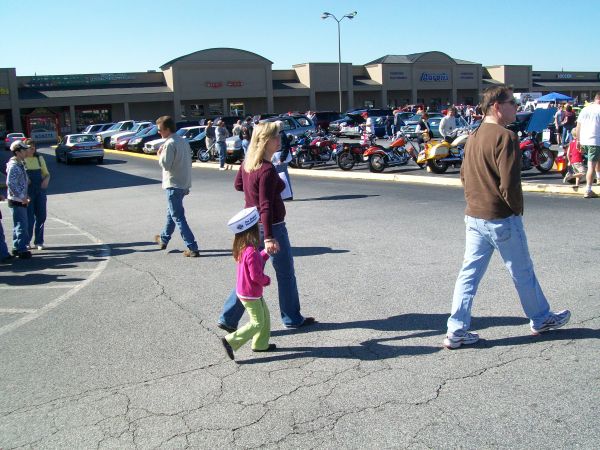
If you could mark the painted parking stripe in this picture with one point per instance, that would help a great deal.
(17, 311)
(45, 286)
(28, 317)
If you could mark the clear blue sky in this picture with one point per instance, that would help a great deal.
(66, 37)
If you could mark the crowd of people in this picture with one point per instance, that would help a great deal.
(491, 176)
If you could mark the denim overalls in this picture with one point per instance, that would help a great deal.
(36, 210)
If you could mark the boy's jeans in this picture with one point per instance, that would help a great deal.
(176, 216)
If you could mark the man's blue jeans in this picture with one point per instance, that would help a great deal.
(289, 302)
(176, 216)
(222, 147)
(20, 234)
(508, 237)
(3, 247)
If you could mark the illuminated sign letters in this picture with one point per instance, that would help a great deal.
(220, 84)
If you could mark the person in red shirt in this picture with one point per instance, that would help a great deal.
(575, 160)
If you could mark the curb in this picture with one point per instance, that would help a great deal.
(389, 177)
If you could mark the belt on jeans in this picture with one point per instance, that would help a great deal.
(13, 203)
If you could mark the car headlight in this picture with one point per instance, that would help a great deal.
(135, 141)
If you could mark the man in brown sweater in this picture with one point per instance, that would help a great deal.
(491, 176)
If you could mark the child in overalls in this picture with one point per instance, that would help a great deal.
(576, 168)
(39, 177)
(250, 282)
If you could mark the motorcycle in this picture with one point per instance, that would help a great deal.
(352, 153)
(440, 155)
(535, 154)
(317, 150)
(396, 154)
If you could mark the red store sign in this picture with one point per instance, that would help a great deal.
(220, 84)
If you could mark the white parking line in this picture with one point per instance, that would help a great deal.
(17, 311)
(62, 234)
(45, 286)
(53, 304)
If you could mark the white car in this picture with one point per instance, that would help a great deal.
(104, 136)
(12, 137)
(139, 126)
(151, 147)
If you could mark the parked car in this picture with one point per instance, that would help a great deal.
(136, 144)
(434, 123)
(295, 125)
(151, 147)
(79, 146)
(323, 118)
(198, 143)
(104, 136)
(12, 137)
(97, 128)
(139, 126)
(234, 151)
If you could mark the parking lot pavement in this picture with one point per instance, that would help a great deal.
(31, 288)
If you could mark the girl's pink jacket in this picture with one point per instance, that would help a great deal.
(250, 274)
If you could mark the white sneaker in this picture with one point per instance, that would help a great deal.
(554, 321)
(40, 247)
(221, 168)
(453, 341)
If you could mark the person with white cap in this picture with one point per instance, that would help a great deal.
(17, 182)
(250, 282)
(262, 188)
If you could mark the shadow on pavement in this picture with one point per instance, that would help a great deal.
(313, 251)
(426, 325)
(336, 197)
(36, 279)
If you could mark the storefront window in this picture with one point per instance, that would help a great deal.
(196, 110)
(368, 104)
(237, 109)
(215, 109)
(92, 115)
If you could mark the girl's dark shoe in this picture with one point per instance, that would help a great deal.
(270, 348)
(228, 349)
(24, 255)
(227, 328)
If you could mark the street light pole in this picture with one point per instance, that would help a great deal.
(327, 15)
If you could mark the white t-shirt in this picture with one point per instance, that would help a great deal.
(589, 118)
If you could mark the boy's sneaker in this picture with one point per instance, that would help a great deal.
(590, 194)
(158, 240)
(453, 341)
(555, 320)
(191, 253)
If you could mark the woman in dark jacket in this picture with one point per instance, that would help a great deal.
(262, 187)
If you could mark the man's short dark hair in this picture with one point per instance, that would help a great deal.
(166, 122)
(495, 94)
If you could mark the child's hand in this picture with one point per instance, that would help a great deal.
(268, 280)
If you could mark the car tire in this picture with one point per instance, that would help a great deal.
(68, 160)
(100, 160)
(58, 158)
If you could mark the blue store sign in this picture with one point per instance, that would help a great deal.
(439, 76)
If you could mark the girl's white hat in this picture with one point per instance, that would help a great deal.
(243, 220)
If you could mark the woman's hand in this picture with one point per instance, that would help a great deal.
(44, 184)
(271, 246)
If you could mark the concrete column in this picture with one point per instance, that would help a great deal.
(454, 96)
(269, 89)
(126, 110)
(73, 118)
(413, 95)
(312, 100)
(15, 109)
(350, 87)
(384, 101)
(225, 106)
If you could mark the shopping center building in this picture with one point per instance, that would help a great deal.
(227, 81)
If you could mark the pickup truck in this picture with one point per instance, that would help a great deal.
(104, 136)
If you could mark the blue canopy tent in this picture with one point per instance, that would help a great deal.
(554, 97)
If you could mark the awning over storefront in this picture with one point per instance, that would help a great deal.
(31, 93)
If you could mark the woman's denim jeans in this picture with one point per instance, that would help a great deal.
(36, 216)
(508, 237)
(176, 216)
(289, 301)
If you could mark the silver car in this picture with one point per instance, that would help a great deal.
(79, 146)
(295, 125)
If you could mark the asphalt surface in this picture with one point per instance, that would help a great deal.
(127, 355)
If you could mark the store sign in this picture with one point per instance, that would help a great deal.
(77, 80)
(398, 76)
(435, 77)
(220, 84)
(564, 76)
(42, 134)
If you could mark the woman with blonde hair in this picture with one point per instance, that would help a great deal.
(262, 187)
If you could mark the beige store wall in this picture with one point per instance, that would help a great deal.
(286, 104)
(150, 110)
(223, 82)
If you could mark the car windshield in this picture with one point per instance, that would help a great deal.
(304, 121)
(82, 138)
(143, 132)
(115, 126)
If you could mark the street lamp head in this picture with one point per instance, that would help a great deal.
(325, 15)
(351, 15)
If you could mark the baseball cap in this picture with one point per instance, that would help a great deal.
(18, 145)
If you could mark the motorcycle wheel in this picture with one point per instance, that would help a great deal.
(376, 163)
(546, 161)
(301, 161)
(421, 165)
(345, 161)
(203, 155)
(437, 166)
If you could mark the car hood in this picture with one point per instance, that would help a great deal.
(156, 141)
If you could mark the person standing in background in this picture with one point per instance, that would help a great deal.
(39, 178)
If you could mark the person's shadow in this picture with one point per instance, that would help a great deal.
(421, 325)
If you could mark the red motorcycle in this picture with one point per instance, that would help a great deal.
(349, 154)
(317, 150)
(536, 154)
(397, 154)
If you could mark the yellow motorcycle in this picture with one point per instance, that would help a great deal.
(438, 155)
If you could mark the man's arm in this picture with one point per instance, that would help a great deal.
(167, 155)
(509, 169)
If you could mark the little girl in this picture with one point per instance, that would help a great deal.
(575, 160)
(250, 282)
